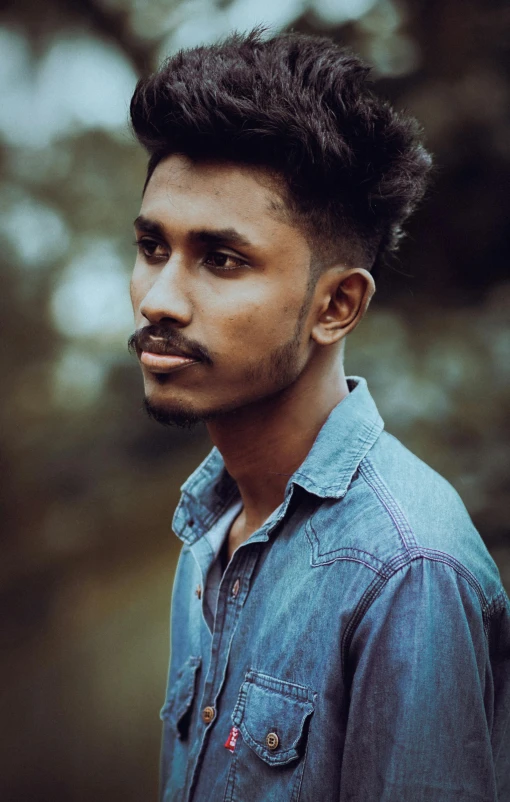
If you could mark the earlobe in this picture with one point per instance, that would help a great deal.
(346, 296)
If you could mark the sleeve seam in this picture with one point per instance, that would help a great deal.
(376, 588)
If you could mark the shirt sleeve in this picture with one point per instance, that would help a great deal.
(421, 693)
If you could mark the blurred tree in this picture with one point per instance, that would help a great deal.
(89, 485)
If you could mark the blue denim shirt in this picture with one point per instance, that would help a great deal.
(360, 648)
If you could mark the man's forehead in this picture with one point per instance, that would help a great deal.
(244, 189)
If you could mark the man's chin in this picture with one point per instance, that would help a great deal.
(172, 416)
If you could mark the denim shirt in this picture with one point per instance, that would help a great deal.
(360, 648)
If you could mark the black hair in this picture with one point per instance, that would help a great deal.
(301, 107)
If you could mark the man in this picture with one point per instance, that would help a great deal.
(339, 631)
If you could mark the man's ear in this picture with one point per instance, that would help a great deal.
(343, 297)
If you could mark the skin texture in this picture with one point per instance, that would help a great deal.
(225, 278)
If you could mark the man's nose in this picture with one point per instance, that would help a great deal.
(167, 299)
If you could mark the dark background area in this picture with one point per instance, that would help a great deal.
(88, 484)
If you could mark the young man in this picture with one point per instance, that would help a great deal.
(339, 631)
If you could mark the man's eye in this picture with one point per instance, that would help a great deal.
(223, 261)
(151, 249)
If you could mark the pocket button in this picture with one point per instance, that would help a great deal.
(272, 740)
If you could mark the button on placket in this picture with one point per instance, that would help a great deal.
(208, 714)
(236, 578)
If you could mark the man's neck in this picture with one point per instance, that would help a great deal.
(263, 444)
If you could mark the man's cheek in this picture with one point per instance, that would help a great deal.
(132, 295)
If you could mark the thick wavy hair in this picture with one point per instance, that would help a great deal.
(302, 108)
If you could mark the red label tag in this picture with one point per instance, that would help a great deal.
(231, 741)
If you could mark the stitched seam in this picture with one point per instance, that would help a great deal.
(460, 568)
(352, 553)
(363, 605)
(295, 699)
(239, 706)
(305, 693)
(397, 564)
(348, 558)
(334, 551)
(434, 555)
(390, 504)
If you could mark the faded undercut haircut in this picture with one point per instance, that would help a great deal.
(351, 168)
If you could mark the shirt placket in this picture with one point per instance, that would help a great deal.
(233, 591)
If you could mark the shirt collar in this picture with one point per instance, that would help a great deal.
(348, 434)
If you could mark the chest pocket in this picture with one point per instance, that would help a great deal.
(176, 716)
(176, 711)
(273, 717)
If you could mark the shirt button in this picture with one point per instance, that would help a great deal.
(235, 588)
(208, 714)
(272, 740)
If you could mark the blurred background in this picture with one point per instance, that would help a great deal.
(89, 485)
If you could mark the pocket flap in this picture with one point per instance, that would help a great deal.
(181, 694)
(271, 715)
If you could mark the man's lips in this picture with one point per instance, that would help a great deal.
(164, 363)
(162, 350)
(161, 357)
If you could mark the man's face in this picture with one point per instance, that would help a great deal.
(220, 290)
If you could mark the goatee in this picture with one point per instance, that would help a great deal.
(182, 418)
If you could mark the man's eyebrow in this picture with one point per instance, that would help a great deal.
(204, 236)
(219, 236)
(149, 226)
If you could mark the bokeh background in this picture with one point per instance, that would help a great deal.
(88, 484)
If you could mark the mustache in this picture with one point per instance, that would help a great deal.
(167, 342)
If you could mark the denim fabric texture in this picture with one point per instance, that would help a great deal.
(360, 647)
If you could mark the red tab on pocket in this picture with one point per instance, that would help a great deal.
(231, 741)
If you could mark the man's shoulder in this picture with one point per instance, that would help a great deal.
(398, 509)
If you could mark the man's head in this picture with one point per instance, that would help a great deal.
(272, 159)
